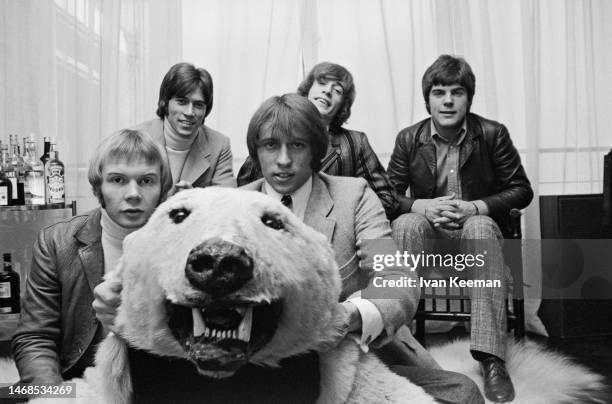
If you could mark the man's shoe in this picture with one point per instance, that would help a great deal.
(497, 384)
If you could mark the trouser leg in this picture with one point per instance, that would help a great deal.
(488, 304)
(413, 233)
(444, 386)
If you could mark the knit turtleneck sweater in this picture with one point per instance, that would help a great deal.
(112, 241)
(177, 147)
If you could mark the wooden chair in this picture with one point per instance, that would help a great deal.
(446, 304)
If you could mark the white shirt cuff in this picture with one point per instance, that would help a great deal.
(371, 322)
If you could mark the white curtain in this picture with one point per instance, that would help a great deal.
(78, 70)
(543, 68)
(252, 50)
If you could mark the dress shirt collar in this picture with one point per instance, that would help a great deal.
(460, 137)
(299, 197)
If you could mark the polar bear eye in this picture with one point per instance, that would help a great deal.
(178, 215)
(272, 222)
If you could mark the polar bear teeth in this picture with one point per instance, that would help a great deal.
(198, 322)
(242, 332)
(244, 329)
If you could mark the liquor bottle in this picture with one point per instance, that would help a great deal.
(9, 173)
(34, 177)
(6, 189)
(12, 140)
(17, 164)
(9, 288)
(54, 178)
(46, 148)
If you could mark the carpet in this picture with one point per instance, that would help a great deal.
(540, 376)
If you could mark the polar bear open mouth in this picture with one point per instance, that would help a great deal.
(221, 337)
(220, 332)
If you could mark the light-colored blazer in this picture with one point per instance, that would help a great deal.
(346, 210)
(209, 161)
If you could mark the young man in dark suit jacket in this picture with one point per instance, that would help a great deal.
(58, 331)
(464, 176)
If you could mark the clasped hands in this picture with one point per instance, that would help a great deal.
(448, 212)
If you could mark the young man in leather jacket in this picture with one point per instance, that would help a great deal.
(464, 176)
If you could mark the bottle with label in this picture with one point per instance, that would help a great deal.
(54, 178)
(34, 177)
(9, 288)
(6, 189)
(17, 164)
(9, 173)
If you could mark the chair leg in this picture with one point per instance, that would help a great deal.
(519, 312)
(419, 332)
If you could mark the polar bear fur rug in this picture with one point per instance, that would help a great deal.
(233, 251)
(540, 376)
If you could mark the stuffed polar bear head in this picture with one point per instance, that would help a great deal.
(223, 277)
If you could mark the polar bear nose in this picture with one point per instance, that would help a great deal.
(218, 267)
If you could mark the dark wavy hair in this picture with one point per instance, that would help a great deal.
(448, 70)
(182, 79)
(284, 115)
(332, 71)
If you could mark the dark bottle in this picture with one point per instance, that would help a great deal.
(17, 171)
(6, 190)
(9, 288)
(18, 195)
(9, 173)
(47, 147)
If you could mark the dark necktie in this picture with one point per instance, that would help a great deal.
(287, 201)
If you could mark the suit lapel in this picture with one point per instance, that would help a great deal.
(328, 160)
(427, 151)
(333, 154)
(198, 158)
(470, 142)
(466, 151)
(319, 209)
(90, 253)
